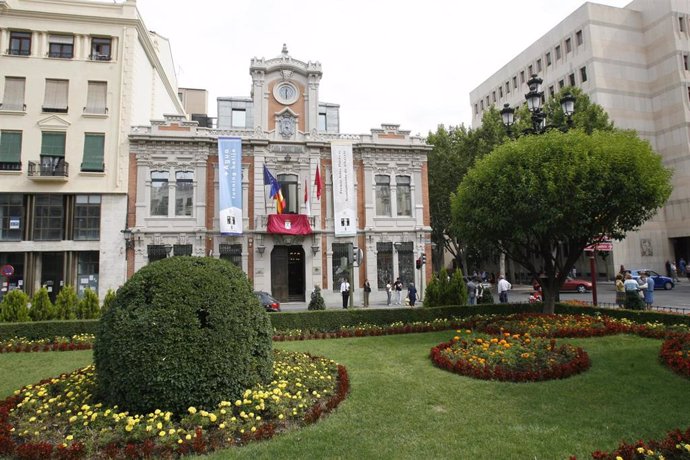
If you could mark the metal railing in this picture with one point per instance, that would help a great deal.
(10, 166)
(49, 167)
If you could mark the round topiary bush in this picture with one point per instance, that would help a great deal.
(184, 331)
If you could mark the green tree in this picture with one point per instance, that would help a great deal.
(454, 151)
(542, 199)
(445, 290)
(66, 303)
(42, 308)
(108, 300)
(14, 307)
(88, 307)
(316, 302)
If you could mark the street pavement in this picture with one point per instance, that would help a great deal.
(676, 299)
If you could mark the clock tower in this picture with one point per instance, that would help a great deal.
(285, 95)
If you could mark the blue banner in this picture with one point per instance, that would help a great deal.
(230, 185)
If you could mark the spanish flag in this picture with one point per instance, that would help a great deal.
(275, 192)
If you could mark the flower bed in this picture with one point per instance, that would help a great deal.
(366, 330)
(675, 353)
(545, 325)
(676, 445)
(21, 344)
(60, 417)
(509, 357)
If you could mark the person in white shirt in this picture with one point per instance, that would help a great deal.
(345, 291)
(503, 287)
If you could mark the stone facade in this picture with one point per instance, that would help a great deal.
(633, 61)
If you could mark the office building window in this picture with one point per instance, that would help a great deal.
(551, 91)
(61, 46)
(239, 118)
(578, 38)
(87, 217)
(96, 97)
(481, 105)
(184, 193)
(159, 193)
(10, 150)
(49, 214)
(20, 43)
(568, 45)
(384, 265)
(383, 195)
(182, 250)
(583, 74)
(493, 96)
(507, 87)
(87, 271)
(11, 216)
(55, 99)
(500, 92)
(14, 94)
(487, 102)
(323, 126)
(548, 59)
(101, 48)
(288, 186)
(514, 82)
(561, 84)
(681, 24)
(522, 77)
(403, 195)
(476, 109)
(685, 61)
(538, 65)
(530, 70)
(558, 52)
(571, 79)
(94, 145)
(342, 254)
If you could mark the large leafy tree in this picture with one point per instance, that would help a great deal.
(454, 151)
(541, 199)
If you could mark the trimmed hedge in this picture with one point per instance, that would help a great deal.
(183, 331)
(331, 320)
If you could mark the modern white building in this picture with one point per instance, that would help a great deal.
(374, 195)
(74, 76)
(634, 62)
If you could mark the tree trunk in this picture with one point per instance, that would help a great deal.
(549, 299)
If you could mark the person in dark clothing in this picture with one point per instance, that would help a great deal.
(412, 294)
(345, 291)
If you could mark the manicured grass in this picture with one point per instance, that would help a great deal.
(401, 406)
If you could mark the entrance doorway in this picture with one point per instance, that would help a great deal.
(287, 273)
(52, 272)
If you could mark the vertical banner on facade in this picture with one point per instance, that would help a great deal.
(230, 185)
(344, 202)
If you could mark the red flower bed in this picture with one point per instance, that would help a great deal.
(676, 445)
(548, 325)
(675, 353)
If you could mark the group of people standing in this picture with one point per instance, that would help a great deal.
(395, 288)
(634, 293)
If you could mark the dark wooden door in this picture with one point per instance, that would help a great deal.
(279, 273)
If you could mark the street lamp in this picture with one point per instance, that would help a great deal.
(534, 104)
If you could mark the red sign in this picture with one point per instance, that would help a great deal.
(604, 246)
(7, 271)
(288, 224)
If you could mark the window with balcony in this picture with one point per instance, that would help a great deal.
(403, 195)
(87, 217)
(14, 94)
(159, 193)
(288, 187)
(101, 48)
(52, 153)
(184, 193)
(49, 215)
(55, 99)
(20, 43)
(94, 145)
(10, 150)
(11, 216)
(61, 46)
(383, 195)
(239, 118)
(96, 98)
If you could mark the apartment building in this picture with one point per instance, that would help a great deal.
(74, 76)
(633, 61)
(370, 201)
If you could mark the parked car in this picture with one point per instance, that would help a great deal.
(267, 300)
(570, 284)
(660, 281)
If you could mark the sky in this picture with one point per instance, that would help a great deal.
(405, 62)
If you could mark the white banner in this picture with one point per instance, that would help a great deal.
(344, 200)
(230, 185)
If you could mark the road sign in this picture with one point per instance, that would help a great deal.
(7, 270)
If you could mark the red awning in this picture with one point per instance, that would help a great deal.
(288, 224)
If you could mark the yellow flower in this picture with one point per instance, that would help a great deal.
(192, 410)
(69, 437)
(212, 417)
(188, 437)
(161, 434)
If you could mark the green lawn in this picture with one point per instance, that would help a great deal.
(400, 406)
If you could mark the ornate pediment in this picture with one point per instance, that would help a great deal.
(54, 123)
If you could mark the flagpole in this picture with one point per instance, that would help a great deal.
(265, 205)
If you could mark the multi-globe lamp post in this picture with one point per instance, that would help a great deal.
(534, 99)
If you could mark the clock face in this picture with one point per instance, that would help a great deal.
(285, 93)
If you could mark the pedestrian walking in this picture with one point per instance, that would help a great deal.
(620, 291)
(412, 294)
(367, 291)
(649, 292)
(503, 287)
(472, 291)
(682, 265)
(389, 288)
(398, 291)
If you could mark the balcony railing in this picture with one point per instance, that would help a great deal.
(10, 166)
(96, 110)
(100, 57)
(18, 52)
(55, 109)
(49, 167)
(61, 54)
(261, 223)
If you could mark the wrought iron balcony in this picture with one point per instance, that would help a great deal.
(50, 167)
(10, 166)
